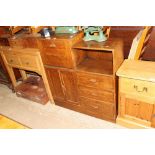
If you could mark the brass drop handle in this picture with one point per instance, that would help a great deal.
(144, 89)
(52, 45)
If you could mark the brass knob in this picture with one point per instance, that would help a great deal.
(92, 80)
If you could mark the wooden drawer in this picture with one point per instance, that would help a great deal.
(31, 62)
(12, 59)
(57, 57)
(95, 94)
(98, 108)
(137, 87)
(51, 43)
(99, 82)
(58, 61)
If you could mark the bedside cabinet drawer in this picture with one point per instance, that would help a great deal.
(12, 59)
(138, 87)
(96, 81)
(31, 62)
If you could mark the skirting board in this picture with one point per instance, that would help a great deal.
(130, 124)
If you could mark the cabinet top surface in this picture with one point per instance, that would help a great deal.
(8, 49)
(38, 36)
(137, 69)
(109, 44)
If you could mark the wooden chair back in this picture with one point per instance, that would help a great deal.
(107, 31)
(139, 43)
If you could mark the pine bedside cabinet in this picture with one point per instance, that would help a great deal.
(136, 107)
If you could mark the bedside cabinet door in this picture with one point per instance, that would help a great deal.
(135, 110)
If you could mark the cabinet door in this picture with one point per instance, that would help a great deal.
(136, 110)
(69, 84)
(54, 79)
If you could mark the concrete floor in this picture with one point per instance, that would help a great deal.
(47, 116)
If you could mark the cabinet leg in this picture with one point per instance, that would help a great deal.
(47, 87)
(23, 74)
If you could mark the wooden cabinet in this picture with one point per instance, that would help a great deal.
(96, 65)
(136, 94)
(90, 86)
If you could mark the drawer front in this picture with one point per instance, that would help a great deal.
(57, 57)
(31, 62)
(99, 82)
(58, 61)
(12, 59)
(53, 44)
(138, 87)
(98, 108)
(95, 94)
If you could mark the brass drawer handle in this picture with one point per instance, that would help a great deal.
(144, 89)
(92, 80)
(52, 45)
